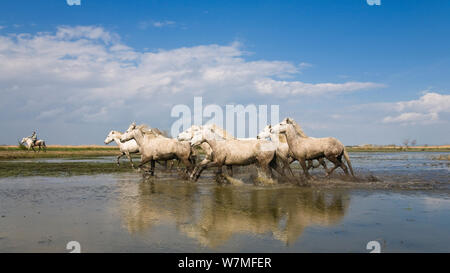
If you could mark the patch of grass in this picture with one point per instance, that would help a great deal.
(21, 146)
(23, 169)
(17, 153)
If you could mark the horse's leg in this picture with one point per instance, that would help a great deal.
(305, 169)
(152, 167)
(342, 165)
(33, 149)
(276, 163)
(118, 158)
(143, 162)
(335, 162)
(199, 168)
(131, 160)
(309, 164)
(323, 163)
(230, 170)
(288, 166)
(187, 164)
(267, 170)
(170, 164)
(219, 172)
(203, 167)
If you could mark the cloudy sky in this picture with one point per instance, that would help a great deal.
(364, 74)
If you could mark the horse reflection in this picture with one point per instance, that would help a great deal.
(212, 214)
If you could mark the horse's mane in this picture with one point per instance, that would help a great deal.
(297, 127)
(146, 130)
(159, 132)
(222, 132)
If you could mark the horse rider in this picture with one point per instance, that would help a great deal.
(33, 137)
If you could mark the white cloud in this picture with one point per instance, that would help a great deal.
(164, 23)
(86, 73)
(270, 86)
(424, 110)
(157, 24)
(411, 117)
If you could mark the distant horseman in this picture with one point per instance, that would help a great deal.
(33, 137)
(32, 141)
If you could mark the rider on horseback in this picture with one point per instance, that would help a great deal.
(33, 137)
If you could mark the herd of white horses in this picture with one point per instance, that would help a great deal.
(276, 147)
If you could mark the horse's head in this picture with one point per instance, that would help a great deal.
(197, 138)
(264, 133)
(282, 127)
(200, 136)
(128, 135)
(131, 127)
(279, 128)
(187, 134)
(23, 140)
(111, 136)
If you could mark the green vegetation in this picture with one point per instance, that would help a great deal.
(23, 169)
(17, 152)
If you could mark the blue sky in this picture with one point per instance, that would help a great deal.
(386, 66)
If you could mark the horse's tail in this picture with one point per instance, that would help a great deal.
(44, 146)
(347, 158)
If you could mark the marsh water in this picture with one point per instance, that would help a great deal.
(401, 200)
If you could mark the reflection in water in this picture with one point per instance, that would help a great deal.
(212, 214)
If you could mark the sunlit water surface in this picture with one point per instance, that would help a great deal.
(126, 213)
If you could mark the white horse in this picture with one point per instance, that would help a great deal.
(309, 148)
(126, 148)
(167, 164)
(28, 142)
(234, 152)
(153, 147)
(188, 135)
(283, 152)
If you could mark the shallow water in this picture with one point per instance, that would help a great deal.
(126, 213)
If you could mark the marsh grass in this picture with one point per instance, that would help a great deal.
(23, 169)
(19, 152)
(21, 146)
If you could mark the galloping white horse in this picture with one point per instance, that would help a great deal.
(235, 152)
(126, 148)
(28, 142)
(283, 152)
(153, 147)
(167, 164)
(188, 135)
(309, 148)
